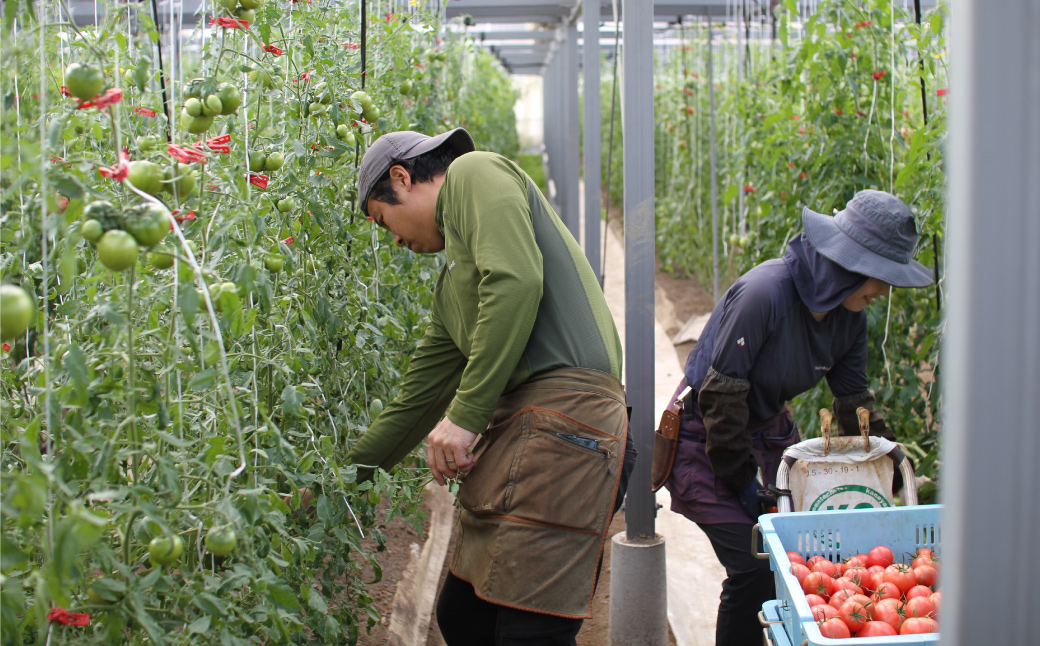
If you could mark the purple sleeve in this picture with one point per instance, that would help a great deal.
(849, 374)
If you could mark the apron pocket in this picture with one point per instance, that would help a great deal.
(544, 468)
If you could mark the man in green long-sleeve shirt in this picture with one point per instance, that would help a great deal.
(523, 349)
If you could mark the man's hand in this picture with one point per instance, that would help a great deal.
(448, 450)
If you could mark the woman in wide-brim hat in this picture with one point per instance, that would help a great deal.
(777, 331)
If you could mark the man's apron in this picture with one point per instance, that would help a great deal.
(537, 504)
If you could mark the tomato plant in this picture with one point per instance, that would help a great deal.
(204, 407)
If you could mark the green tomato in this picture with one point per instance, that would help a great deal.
(84, 81)
(256, 161)
(250, 4)
(286, 204)
(221, 541)
(193, 107)
(91, 230)
(342, 131)
(17, 311)
(372, 115)
(147, 143)
(274, 161)
(247, 15)
(128, 78)
(315, 108)
(375, 408)
(165, 550)
(117, 250)
(105, 213)
(146, 176)
(230, 98)
(183, 178)
(230, 5)
(198, 125)
(160, 259)
(274, 263)
(148, 223)
(405, 88)
(363, 99)
(212, 105)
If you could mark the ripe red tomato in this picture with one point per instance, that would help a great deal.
(854, 614)
(800, 572)
(845, 584)
(857, 575)
(880, 555)
(936, 598)
(834, 628)
(795, 557)
(815, 600)
(818, 583)
(919, 591)
(840, 597)
(876, 629)
(812, 560)
(919, 607)
(824, 611)
(887, 591)
(902, 576)
(927, 575)
(874, 569)
(826, 567)
(919, 625)
(887, 613)
(856, 561)
(864, 599)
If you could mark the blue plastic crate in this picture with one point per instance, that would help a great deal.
(774, 626)
(839, 535)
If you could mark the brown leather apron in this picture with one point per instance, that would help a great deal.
(536, 506)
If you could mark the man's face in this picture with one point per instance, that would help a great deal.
(862, 297)
(412, 221)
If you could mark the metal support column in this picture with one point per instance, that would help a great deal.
(551, 120)
(992, 351)
(591, 133)
(570, 142)
(638, 597)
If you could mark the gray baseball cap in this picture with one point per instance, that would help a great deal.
(405, 144)
(874, 236)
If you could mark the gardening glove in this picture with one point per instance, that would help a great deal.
(848, 423)
(751, 499)
(723, 403)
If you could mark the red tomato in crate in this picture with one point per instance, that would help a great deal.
(795, 557)
(826, 567)
(927, 575)
(919, 607)
(815, 600)
(901, 576)
(854, 614)
(813, 560)
(823, 612)
(876, 629)
(919, 625)
(857, 575)
(818, 583)
(887, 591)
(936, 598)
(887, 613)
(880, 555)
(856, 561)
(845, 584)
(834, 628)
(800, 572)
(840, 597)
(919, 591)
(874, 569)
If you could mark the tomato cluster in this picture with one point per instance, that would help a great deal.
(869, 595)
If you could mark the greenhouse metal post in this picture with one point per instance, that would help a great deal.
(990, 447)
(638, 597)
(571, 166)
(591, 134)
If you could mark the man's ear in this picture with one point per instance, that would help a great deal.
(399, 176)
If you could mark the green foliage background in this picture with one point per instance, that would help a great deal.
(129, 411)
(832, 106)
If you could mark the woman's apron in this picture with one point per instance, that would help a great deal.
(537, 504)
(696, 493)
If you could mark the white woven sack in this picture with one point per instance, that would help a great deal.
(847, 476)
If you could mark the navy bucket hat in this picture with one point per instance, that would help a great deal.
(874, 236)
